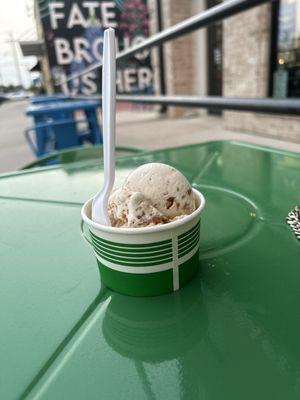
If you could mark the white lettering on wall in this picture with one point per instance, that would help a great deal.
(90, 86)
(85, 51)
(119, 81)
(54, 15)
(64, 54)
(97, 48)
(108, 14)
(133, 79)
(129, 79)
(141, 55)
(81, 45)
(144, 77)
(91, 6)
(136, 40)
(76, 17)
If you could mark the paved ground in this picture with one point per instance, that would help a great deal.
(14, 151)
(152, 131)
(141, 129)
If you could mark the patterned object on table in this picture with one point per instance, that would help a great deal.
(293, 219)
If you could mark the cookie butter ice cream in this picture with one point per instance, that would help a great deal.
(152, 194)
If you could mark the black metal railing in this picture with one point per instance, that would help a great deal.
(201, 20)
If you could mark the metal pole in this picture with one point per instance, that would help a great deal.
(15, 57)
(264, 105)
(161, 60)
(285, 106)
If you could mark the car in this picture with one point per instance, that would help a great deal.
(20, 95)
(3, 97)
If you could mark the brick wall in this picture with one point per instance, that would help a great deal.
(185, 58)
(246, 47)
(179, 55)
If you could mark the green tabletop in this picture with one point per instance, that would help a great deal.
(233, 333)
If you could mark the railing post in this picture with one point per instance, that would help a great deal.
(161, 60)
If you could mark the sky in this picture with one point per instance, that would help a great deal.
(16, 16)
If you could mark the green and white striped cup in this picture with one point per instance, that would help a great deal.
(147, 261)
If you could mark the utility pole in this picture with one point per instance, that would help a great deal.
(13, 43)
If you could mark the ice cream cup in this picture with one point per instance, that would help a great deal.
(147, 261)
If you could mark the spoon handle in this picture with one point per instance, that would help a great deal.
(109, 108)
(100, 201)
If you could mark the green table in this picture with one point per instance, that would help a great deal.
(233, 333)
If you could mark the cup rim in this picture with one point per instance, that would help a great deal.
(146, 229)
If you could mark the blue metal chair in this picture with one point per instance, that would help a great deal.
(43, 99)
(56, 127)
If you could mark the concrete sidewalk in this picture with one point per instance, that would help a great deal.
(146, 129)
(14, 151)
(152, 131)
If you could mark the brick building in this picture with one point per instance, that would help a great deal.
(253, 54)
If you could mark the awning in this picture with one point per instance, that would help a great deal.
(32, 48)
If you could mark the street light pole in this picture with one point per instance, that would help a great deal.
(15, 57)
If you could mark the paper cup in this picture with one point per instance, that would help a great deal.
(147, 261)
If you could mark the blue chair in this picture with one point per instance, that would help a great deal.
(43, 99)
(56, 127)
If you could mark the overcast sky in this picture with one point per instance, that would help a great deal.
(16, 16)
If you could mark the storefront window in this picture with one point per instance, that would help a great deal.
(286, 82)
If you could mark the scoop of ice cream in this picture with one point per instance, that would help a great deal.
(168, 190)
(152, 194)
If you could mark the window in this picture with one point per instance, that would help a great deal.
(286, 77)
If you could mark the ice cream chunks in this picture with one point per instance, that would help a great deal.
(152, 194)
(132, 209)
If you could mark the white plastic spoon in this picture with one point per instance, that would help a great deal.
(100, 200)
